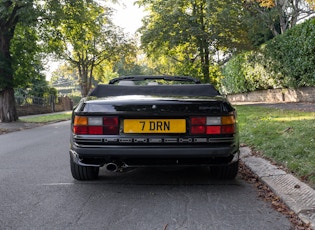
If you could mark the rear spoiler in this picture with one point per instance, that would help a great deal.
(155, 90)
(162, 77)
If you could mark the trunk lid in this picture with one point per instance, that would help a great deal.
(178, 105)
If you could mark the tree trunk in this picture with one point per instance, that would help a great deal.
(85, 84)
(206, 71)
(7, 106)
(7, 101)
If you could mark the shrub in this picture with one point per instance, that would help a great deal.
(245, 73)
(286, 61)
(292, 55)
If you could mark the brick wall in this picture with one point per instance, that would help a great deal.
(64, 104)
(304, 94)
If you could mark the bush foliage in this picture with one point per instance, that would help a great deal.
(286, 61)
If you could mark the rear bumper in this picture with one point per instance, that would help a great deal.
(204, 155)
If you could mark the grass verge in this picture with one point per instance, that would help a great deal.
(287, 137)
(63, 116)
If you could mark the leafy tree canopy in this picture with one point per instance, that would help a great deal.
(82, 34)
(190, 33)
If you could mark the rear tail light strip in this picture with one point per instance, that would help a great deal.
(212, 125)
(109, 125)
(96, 125)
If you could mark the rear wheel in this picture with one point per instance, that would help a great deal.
(83, 172)
(228, 172)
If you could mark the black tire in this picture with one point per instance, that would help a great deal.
(83, 172)
(227, 172)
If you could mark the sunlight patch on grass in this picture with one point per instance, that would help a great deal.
(288, 137)
(299, 118)
(48, 117)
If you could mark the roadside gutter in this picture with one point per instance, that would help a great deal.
(298, 196)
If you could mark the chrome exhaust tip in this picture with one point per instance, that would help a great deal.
(112, 167)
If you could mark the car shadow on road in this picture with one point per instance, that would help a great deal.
(183, 176)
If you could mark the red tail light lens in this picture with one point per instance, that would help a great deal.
(228, 129)
(198, 129)
(212, 125)
(198, 121)
(80, 130)
(111, 130)
(111, 125)
(95, 130)
(83, 125)
(110, 121)
(213, 129)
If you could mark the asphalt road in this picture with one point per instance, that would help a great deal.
(38, 192)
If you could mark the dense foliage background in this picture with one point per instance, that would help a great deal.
(285, 61)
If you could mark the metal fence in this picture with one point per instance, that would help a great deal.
(31, 100)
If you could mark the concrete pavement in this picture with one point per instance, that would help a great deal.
(298, 196)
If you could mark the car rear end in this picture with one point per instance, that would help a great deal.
(149, 131)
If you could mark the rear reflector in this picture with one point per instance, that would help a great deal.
(111, 125)
(111, 130)
(110, 121)
(198, 121)
(228, 129)
(198, 129)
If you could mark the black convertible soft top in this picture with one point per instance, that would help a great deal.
(156, 90)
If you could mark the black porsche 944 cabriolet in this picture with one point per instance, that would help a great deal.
(149, 121)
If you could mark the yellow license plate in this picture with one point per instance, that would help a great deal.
(154, 126)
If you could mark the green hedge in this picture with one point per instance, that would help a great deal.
(245, 73)
(287, 61)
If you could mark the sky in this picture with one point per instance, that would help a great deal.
(128, 16)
